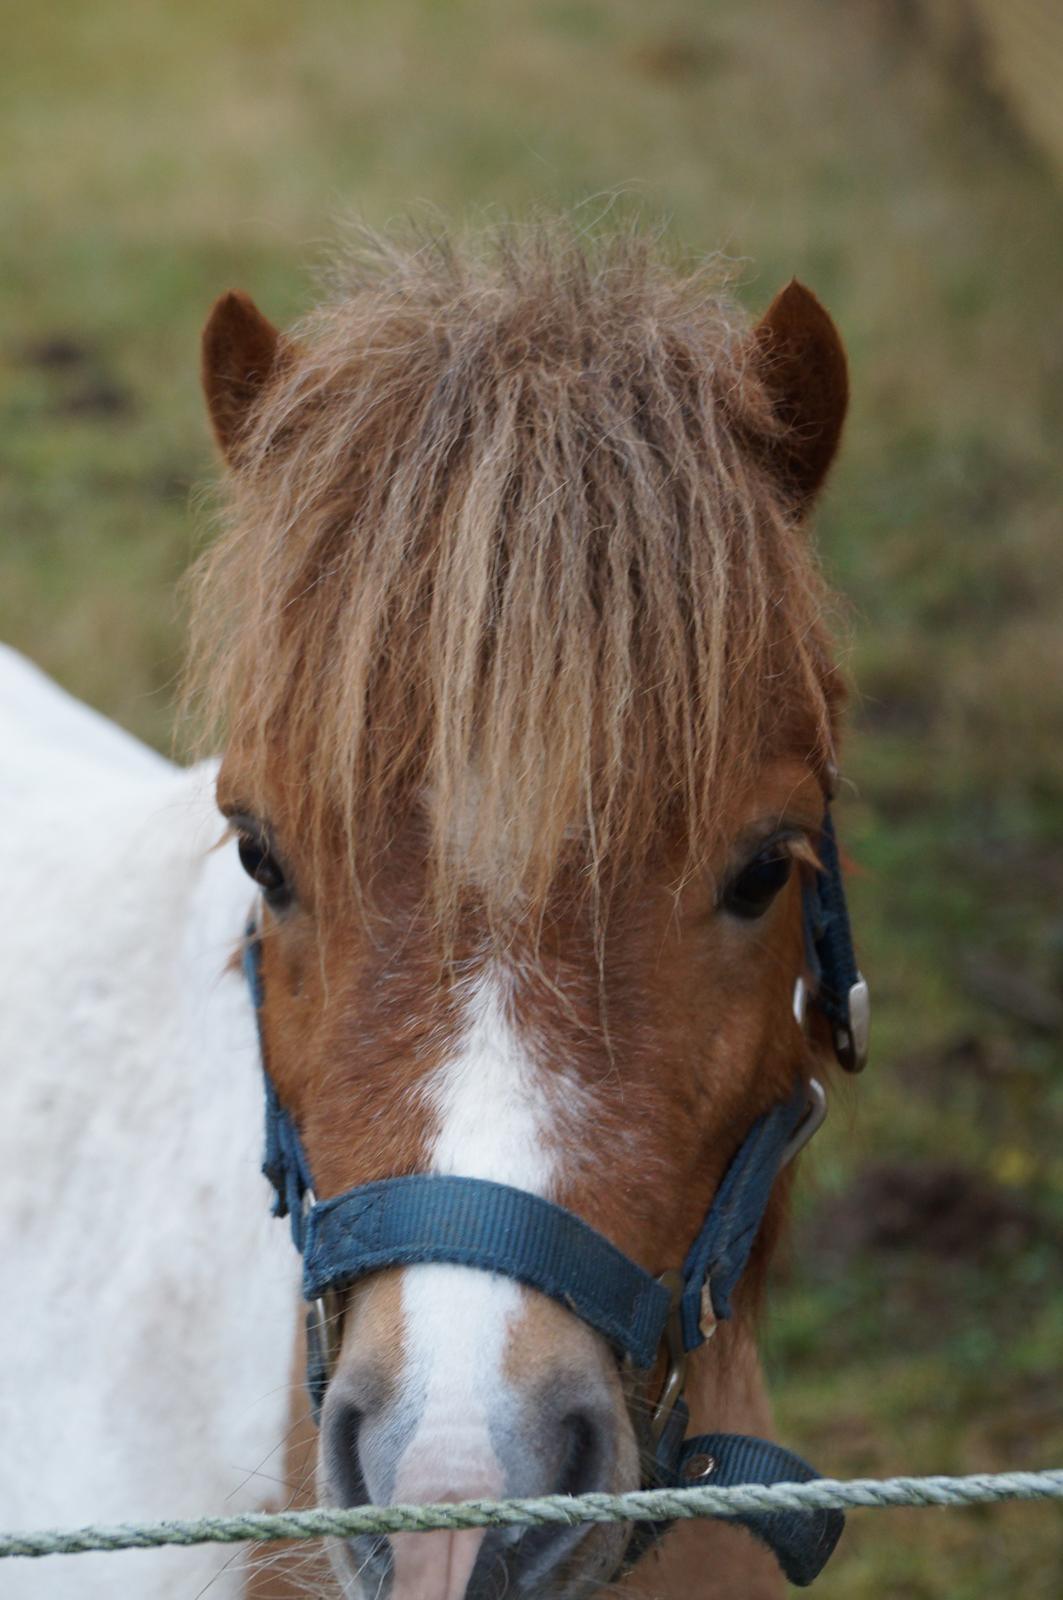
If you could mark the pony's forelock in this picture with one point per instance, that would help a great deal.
(504, 560)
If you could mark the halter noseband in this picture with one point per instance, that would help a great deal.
(430, 1217)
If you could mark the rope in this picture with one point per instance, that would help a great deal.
(644, 1505)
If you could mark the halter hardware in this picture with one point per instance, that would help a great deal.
(467, 1221)
(810, 1124)
(852, 1041)
(840, 988)
(324, 1314)
(675, 1378)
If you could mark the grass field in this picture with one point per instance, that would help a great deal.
(154, 155)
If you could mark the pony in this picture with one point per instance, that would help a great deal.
(516, 647)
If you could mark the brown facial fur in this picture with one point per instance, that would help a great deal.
(677, 1027)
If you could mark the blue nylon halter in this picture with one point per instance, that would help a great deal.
(463, 1221)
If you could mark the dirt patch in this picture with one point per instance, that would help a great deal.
(80, 381)
(938, 1210)
(57, 352)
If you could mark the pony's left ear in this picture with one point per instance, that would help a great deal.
(240, 351)
(803, 367)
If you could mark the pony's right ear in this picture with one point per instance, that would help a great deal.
(240, 351)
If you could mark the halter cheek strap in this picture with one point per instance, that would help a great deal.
(470, 1222)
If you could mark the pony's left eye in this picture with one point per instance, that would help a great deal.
(260, 864)
(751, 892)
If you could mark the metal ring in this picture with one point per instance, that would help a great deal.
(809, 1125)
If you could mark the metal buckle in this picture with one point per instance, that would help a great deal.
(328, 1319)
(851, 1043)
(675, 1380)
(327, 1311)
(809, 1125)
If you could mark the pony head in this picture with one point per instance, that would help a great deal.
(518, 649)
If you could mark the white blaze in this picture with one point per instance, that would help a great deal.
(491, 1096)
(495, 1116)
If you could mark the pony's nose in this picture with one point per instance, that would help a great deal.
(561, 1439)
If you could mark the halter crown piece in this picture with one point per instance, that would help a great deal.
(470, 1222)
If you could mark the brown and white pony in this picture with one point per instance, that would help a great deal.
(517, 646)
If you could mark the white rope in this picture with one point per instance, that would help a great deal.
(643, 1505)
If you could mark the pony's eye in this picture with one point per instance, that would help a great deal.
(751, 893)
(260, 864)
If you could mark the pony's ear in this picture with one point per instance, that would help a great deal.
(240, 350)
(802, 362)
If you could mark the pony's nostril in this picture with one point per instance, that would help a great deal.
(344, 1467)
(583, 1464)
(342, 1438)
(583, 1458)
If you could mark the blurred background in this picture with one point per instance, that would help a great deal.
(905, 159)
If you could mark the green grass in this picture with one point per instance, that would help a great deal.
(154, 155)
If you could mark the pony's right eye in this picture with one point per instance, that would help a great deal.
(261, 865)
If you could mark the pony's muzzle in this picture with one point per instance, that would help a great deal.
(548, 1418)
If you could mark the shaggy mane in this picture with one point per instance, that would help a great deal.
(503, 543)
